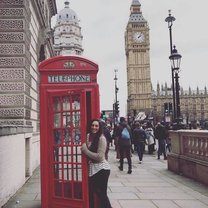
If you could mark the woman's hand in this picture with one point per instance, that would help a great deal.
(84, 147)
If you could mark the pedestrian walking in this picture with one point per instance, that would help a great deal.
(107, 135)
(160, 135)
(150, 137)
(123, 135)
(139, 140)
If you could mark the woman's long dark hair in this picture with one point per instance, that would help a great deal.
(95, 137)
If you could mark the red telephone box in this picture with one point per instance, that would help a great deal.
(69, 99)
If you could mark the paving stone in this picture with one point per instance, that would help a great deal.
(159, 190)
(137, 203)
(120, 195)
(165, 204)
(164, 195)
(191, 204)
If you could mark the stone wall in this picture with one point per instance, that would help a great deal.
(15, 61)
(19, 155)
(24, 26)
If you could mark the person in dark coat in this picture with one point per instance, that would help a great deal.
(139, 140)
(124, 145)
(160, 135)
(107, 135)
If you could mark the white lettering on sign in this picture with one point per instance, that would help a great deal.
(68, 78)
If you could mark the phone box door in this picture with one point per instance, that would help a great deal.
(67, 175)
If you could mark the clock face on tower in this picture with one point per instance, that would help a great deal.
(138, 37)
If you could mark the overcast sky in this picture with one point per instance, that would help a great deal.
(103, 25)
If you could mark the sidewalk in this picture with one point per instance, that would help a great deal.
(150, 185)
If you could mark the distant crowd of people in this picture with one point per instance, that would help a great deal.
(135, 137)
(141, 135)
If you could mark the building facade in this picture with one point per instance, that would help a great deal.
(141, 96)
(137, 46)
(25, 40)
(193, 105)
(67, 33)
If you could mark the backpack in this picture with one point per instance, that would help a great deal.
(125, 134)
(148, 134)
(144, 135)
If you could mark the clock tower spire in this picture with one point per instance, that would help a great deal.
(135, 6)
(137, 46)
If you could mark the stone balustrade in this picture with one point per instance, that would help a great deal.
(189, 155)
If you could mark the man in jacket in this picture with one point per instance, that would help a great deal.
(124, 144)
(160, 135)
(139, 140)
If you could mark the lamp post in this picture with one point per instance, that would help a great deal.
(175, 59)
(116, 88)
(170, 19)
(116, 104)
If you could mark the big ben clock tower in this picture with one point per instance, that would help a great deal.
(137, 48)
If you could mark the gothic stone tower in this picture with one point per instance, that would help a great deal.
(137, 46)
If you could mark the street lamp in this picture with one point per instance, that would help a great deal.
(116, 104)
(170, 19)
(175, 59)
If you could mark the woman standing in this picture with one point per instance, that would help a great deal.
(150, 137)
(99, 168)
